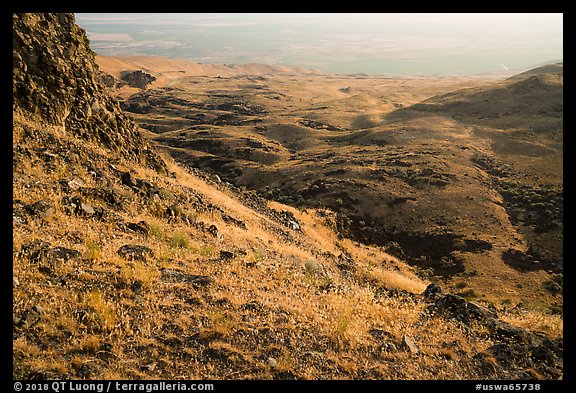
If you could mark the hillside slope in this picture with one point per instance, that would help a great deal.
(126, 265)
(463, 174)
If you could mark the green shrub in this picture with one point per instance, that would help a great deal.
(552, 286)
(179, 240)
(461, 285)
(468, 294)
(93, 250)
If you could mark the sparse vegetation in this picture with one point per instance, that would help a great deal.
(179, 240)
(143, 268)
(93, 250)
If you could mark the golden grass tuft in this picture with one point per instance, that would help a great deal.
(101, 313)
(537, 321)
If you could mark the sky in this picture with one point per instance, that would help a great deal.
(375, 43)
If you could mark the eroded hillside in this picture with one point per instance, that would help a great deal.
(464, 174)
(128, 265)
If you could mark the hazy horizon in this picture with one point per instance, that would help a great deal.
(342, 43)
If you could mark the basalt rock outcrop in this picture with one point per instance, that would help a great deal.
(56, 81)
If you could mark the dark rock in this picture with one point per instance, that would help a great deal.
(42, 208)
(134, 252)
(55, 79)
(175, 276)
(509, 355)
(30, 317)
(457, 307)
(147, 188)
(228, 219)
(128, 179)
(345, 262)
(141, 227)
(252, 306)
(138, 79)
(501, 329)
(110, 197)
(201, 281)
(401, 294)
(106, 79)
(136, 286)
(381, 335)
(35, 250)
(18, 217)
(46, 270)
(227, 255)
(75, 205)
(432, 292)
(214, 231)
(63, 254)
(395, 249)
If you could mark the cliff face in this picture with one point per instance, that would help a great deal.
(55, 81)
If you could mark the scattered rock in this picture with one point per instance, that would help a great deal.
(381, 335)
(43, 208)
(294, 225)
(128, 179)
(85, 210)
(75, 184)
(226, 255)
(37, 250)
(457, 307)
(141, 227)
(214, 231)
(138, 79)
(63, 254)
(18, 217)
(30, 317)
(135, 252)
(34, 250)
(175, 276)
(252, 306)
(395, 250)
(46, 270)
(432, 292)
(345, 262)
(75, 205)
(409, 344)
(272, 362)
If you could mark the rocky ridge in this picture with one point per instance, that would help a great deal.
(55, 81)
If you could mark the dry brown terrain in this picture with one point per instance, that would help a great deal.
(464, 173)
(235, 235)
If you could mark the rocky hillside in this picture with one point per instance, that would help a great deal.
(55, 82)
(129, 266)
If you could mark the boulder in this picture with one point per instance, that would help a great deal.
(395, 250)
(214, 231)
(141, 227)
(138, 79)
(432, 292)
(458, 308)
(409, 344)
(175, 276)
(135, 252)
(43, 208)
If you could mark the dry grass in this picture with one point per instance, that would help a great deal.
(121, 319)
(537, 321)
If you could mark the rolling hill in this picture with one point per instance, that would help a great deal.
(143, 246)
